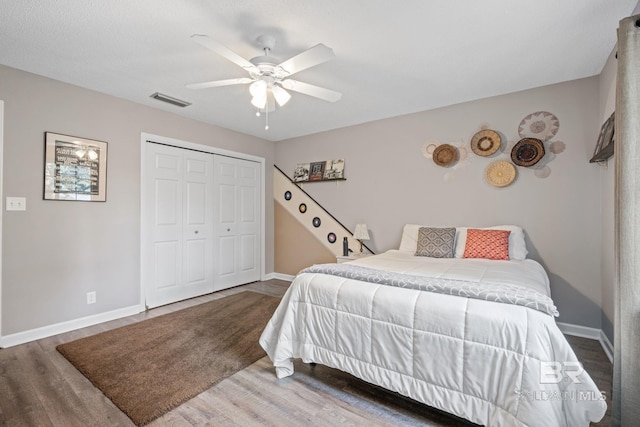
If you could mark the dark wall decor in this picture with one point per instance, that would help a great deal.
(75, 168)
(604, 146)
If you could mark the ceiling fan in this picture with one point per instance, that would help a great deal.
(269, 76)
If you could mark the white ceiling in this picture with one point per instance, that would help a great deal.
(392, 58)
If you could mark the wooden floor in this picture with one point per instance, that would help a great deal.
(38, 387)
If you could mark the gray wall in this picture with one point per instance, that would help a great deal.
(390, 183)
(55, 252)
(607, 185)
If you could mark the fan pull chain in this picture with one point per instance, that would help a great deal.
(266, 126)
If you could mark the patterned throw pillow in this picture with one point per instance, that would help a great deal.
(436, 242)
(489, 244)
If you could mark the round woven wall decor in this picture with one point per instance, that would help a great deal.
(527, 152)
(486, 142)
(500, 173)
(444, 154)
(541, 124)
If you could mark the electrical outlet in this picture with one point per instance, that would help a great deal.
(91, 297)
(16, 204)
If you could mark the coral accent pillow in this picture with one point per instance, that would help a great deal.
(488, 244)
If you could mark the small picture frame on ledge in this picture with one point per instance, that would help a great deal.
(301, 172)
(334, 169)
(75, 168)
(316, 171)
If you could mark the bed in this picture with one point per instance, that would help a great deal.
(474, 337)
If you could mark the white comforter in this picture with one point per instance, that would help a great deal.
(477, 359)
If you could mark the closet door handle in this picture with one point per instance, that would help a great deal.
(196, 231)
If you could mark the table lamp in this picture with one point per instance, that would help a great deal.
(361, 233)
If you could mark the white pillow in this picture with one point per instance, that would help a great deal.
(517, 245)
(409, 241)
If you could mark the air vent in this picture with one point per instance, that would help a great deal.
(166, 98)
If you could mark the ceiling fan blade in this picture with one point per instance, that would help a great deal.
(310, 57)
(225, 52)
(311, 90)
(218, 83)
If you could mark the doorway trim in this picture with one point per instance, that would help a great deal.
(2, 206)
(144, 137)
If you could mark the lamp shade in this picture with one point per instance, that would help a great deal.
(281, 95)
(361, 232)
(259, 101)
(258, 88)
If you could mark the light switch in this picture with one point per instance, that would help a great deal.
(16, 204)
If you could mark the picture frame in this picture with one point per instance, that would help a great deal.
(328, 170)
(334, 169)
(316, 171)
(75, 169)
(301, 172)
(606, 139)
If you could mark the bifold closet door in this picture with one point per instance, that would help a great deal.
(178, 214)
(237, 188)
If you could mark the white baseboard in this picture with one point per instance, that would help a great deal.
(579, 331)
(279, 276)
(591, 333)
(606, 346)
(60, 328)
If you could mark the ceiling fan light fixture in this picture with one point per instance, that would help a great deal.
(281, 95)
(268, 79)
(258, 88)
(259, 101)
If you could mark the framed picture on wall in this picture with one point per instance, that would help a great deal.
(316, 171)
(301, 172)
(605, 143)
(75, 168)
(334, 169)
